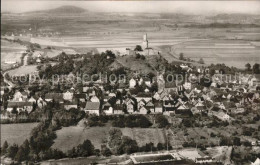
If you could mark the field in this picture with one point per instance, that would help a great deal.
(16, 133)
(230, 52)
(10, 52)
(69, 137)
(145, 135)
(23, 70)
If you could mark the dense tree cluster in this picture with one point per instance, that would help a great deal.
(83, 150)
(131, 121)
(162, 121)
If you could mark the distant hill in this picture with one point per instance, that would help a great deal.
(62, 10)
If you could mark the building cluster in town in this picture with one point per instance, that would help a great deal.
(221, 99)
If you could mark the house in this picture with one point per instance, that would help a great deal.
(32, 99)
(147, 81)
(118, 109)
(68, 105)
(143, 110)
(132, 83)
(141, 103)
(182, 109)
(156, 96)
(92, 108)
(150, 106)
(170, 105)
(20, 106)
(91, 92)
(68, 96)
(107, 108)
(80, 97)
(187, 85)
(200, 106)
(222, 116)
(20, 96)
(144, 96)
(257, 162)
(158, 108)
(130, 108)
(41, 103)
(94, 99)
(58, 97)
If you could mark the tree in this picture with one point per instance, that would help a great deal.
(181, 56)
(4, 148)
(21, 155)
(105, 151)
(85, 149)
(248, 67)
(160, 146)
(138, 48)
(14, 110)
(137, 56)
(201, 61)
(236, 141)
(12, 150)
(161, 121)
(256, 68)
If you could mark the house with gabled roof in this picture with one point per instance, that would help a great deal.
(157, 96)
(150, 106)
(20, 96)
(68, 95)
(130, 105)
(94, 99)
(57, 97)
(141, 103)
(20, 106)
(144, 96)
(143, 110)
(70, 104)
(158, 108)
(92, 108)
(81, 97)
(118, 109)
(107, 108)
(132, 83)
(182, 109)
(32, 99)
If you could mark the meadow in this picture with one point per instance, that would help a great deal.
(69, 137)
(16, 133)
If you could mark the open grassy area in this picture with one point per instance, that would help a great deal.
(16, 133)
(145, 135)
(23, 70)
(69, 137)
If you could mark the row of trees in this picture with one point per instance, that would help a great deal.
(255, 69)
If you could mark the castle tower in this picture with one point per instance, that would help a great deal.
(145, 42)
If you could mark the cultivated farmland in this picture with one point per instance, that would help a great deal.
(11, 54)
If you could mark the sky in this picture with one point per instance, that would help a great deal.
(185, 7)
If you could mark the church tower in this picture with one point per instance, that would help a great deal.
(145, 42)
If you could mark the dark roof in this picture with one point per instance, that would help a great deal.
(19, 104)
(118, 107)
(54, 96)
(170, 85)
(144, 94)
(80, 96)
(92, 106)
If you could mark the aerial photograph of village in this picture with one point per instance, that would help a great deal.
(130, 82)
